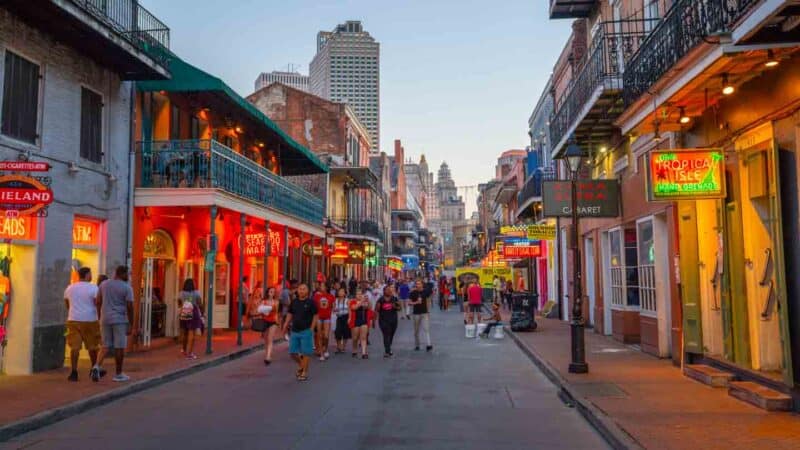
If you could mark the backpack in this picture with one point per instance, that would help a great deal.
(186, 311)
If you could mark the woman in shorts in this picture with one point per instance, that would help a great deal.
(341, 310)
(267, 308)
(190, 317)
(360, 321)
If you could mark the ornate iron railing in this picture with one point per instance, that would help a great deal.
(209, 164)
(684, 27)
(613, 45)
(531, 189)
(363, 227)
(132, 21)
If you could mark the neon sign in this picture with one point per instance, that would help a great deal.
(255, 243)
(522, 251)
(85, 232)
(685, 174)
(18, 228)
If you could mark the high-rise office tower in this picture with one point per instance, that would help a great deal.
(346, 68)
(291, 79)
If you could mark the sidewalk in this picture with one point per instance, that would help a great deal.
(651, 400)
(31, 401)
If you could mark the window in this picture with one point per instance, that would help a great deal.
(20, 98)
(91, 126)
(647, 271)
(194, 126)
(174, 123)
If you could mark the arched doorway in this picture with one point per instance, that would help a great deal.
(158, 289)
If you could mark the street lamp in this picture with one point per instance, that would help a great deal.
(574, 157)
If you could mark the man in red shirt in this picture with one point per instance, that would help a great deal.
(324, 302)
(475, 300)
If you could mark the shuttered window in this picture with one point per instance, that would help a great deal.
(91, 126)
(20, 98)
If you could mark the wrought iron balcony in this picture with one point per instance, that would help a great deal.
(209, 164)
(361, 227)
(132, 21)
(598, 75)
(531, 190)
(685, 26)
(568, 9)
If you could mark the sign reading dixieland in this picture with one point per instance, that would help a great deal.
(24, 196)
(685, 174)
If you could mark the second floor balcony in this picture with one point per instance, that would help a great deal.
(571, 9)
(687, 25)
(588, 107)
(359, 227)
(185, 165)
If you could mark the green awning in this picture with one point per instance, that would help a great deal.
(187, 78)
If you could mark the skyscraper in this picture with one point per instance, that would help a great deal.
(291, 79)
(346, 68)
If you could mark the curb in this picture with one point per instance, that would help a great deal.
(613, 434)
(60, 413)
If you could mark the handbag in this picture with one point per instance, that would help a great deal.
(258, 324)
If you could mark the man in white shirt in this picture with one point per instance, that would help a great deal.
(83, 326)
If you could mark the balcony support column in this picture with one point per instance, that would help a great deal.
(242, 306)
(267, 249)
(285, 256)
(312, 261)
(209, 269)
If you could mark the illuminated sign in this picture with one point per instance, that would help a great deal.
(23, 196)
(317, 249)
(541, 232)
(355, 253)
(394, 264)
(85, 232)
(682, 174)
(18, 228)
(522, 251)
(596, 198)
(255, 244)
(24, 166)
(340, 250)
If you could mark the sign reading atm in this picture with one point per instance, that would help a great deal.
(685, 174)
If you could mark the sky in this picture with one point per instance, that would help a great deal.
(459, 78)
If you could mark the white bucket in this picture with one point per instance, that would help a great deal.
(481, 328)
(470, 330)
(498, 332)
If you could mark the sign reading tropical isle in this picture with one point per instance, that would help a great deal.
(682, 174)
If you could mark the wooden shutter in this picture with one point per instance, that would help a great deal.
(20, 98)
(91, 126)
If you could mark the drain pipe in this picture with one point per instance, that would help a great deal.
(131, 165)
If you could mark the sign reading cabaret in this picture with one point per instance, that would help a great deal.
(685, 174)
(596, 198)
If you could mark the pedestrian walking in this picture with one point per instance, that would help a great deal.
(302, 315)
(287, 295)
(352, 285)
(324, 303)
(497, 287)
(508, 293)
(360, 320)
(341, 311)
(83, 326)
(461, 297)
(116, 315)
(404, 291)
(387, 309)
(267, 311)
(420, 299)
(475, 300)
(190, 317)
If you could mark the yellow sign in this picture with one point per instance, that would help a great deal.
(541, 232)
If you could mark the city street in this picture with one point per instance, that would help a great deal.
(466, 394)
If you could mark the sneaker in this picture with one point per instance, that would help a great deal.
(121, 378)
(327, 355)
(386, 355)
(391, 354)
(428, 348)
(94, 374)
(365, 356)
(103, 372)
(322, 358)
(191, 356)
(73, 376)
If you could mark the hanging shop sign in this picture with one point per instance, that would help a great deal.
(596, 198)
(685, 174)
(255, 244)
(355, 253)
(410, 262)
(23, 228)
(394, 263)
(25, 196)
(315, 250)
(24, 166)
(522, 251)
(85, 232)
(340, 250)
(541, 232)
(513, 230)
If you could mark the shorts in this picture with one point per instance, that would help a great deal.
(115, 335)
(475, 308)
(301, 342)
(324, 320)
(86, 333)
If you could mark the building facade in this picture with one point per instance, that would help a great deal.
(291, 79)
(346, 68)
(66, 109)
(451, 213)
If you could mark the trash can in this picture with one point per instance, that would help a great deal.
(523, 311)
(158, 320)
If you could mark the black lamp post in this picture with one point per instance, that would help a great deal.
(574, 157)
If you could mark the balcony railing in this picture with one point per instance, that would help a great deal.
(686, 25)
(531, 189)
(131, 20)
(363, 227)
(613, 44)
(209, 164)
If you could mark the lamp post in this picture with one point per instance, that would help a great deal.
(574, 157)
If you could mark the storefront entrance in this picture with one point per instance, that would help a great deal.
(85, 253)
(17, 269)
(158, 315)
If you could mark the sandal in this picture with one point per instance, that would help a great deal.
(355, 355)
(302, 378)
(365, 356)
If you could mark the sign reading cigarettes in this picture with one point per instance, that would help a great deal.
(685, 174)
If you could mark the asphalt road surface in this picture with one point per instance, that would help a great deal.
(466, 394)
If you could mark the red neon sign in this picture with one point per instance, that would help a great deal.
(255, 244)
(522, 251)
(18, 228)
(85, 232)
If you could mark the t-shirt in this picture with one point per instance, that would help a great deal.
(116, 296)
(373, 296)
(475, 294)
(285, 297)
(303, 312)
(497, 284)
(422, 308)
(81, 296)
(404, 291)
(388, 308)
(324, 304)
(189, 300)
